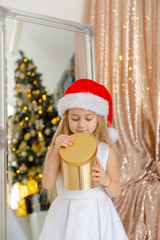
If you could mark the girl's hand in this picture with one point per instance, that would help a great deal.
(99, 174)
(63, 141)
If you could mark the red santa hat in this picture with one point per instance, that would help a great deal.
(89, 95)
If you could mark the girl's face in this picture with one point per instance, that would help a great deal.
(81, 120)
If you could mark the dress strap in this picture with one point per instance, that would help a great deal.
(102, 154)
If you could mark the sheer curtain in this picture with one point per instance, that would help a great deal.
(127, 45)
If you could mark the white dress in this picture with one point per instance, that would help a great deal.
(83, 214)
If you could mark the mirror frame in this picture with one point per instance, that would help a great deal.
(14, 14)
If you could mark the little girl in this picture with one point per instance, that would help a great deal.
(84, 214)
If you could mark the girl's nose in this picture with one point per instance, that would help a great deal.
(80, 123)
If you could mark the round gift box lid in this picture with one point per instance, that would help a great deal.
(83, 149)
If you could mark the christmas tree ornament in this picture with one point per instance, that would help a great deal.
(33, 132)
(27, 136)
(22, 146)
(25, 181)
(20, 102)
(24, 154)
(21, 76)
(15, 140)
(31, 66)
(47, 131)
(22, 66)
(50, 109)
(39, 123)
(89, 95)
(14, 163)
(12, 158)
(37, 92)
(23, 168)
(31, 158)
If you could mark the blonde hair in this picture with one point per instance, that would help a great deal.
(100, 133)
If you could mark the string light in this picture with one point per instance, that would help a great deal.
(40, 100)
(17, 171)
(44, 97)
(40, 111)
(40, 175)
(58, 119)
(54, 121)
(25, 59)
(34, 101)
(120, 58)
(26, 118)
(130, 79)
(147, 88)
(28, 95)
(35, 83)
(40, 134)
(21, 123)
(28, 73)
(25, 108)
(47, 90)
(13, 149)
(33, 74)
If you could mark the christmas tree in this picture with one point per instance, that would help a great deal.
(33, 124)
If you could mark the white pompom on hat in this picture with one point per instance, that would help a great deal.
(89, 95)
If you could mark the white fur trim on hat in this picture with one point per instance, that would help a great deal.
(112, 135)
(85, 101)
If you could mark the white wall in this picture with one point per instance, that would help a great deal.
(73, 10)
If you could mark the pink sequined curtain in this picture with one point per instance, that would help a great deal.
(127, 50)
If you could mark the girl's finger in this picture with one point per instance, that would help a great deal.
(95, 168)
(99, 163)
(97, 174)
(97, 179)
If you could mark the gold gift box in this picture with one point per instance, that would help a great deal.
(76, 162)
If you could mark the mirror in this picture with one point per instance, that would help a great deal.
(40, 57)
